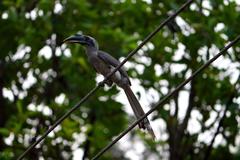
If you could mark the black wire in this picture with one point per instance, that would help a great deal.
(149, 37)
(165, 99)
(59, 121)
(105, 79)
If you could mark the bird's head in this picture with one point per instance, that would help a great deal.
(84, 40)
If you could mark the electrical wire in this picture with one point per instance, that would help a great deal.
(167, 97)
(105, 79)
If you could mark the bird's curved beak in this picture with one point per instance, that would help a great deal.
(75, 39)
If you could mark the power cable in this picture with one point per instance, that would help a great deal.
(105, 79)
(167, 97)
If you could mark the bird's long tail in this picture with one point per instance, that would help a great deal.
(138, 111)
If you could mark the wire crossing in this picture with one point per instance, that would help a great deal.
(167, 97)
(85, 98)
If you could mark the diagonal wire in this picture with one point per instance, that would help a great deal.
(105, 79)
(149, 37)
(50, 129)
(167, 97)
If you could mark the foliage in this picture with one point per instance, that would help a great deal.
(40, 79)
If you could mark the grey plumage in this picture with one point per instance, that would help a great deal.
(138, 111)
(104, 63)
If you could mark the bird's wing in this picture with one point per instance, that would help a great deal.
(107, 58)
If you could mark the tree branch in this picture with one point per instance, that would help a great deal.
(184, 124)
(175, 98)
(31, 5)
(3, 117)
(228, 104)
(89, 135)
(177, 133)
(200, 6)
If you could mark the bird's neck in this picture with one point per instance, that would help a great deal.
(91, 51)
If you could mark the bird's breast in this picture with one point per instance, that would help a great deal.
(99, 65)
(104, 69)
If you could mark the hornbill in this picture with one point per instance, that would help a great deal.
(104, 63)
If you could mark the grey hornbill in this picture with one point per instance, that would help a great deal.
(104, 63)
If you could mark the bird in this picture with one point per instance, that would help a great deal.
(104, 63)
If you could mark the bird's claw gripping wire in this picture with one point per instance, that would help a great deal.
(102, 84)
